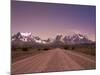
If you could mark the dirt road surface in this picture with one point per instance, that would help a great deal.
(54, 60)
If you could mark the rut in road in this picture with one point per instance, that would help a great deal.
(32, 64)
(62, 62)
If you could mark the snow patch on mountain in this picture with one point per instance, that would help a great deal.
(26, 34)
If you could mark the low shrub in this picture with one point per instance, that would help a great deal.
(24, 49)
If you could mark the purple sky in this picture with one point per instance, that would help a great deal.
(48, 20)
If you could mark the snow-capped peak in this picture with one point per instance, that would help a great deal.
(26, 34)
(78, 36)
(81, 36)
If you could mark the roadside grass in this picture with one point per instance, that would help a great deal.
(87, 49)
(19, 54)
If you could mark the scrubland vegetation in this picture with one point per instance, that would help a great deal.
(22, 52)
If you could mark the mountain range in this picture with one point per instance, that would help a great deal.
(28, 38)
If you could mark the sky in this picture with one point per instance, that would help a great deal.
(49, 19)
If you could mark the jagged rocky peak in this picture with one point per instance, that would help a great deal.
(76, 39)
(58, 37)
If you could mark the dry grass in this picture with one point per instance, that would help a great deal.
(20, 54)
(87, 49)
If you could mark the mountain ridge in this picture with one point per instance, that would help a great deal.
(67, 39)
